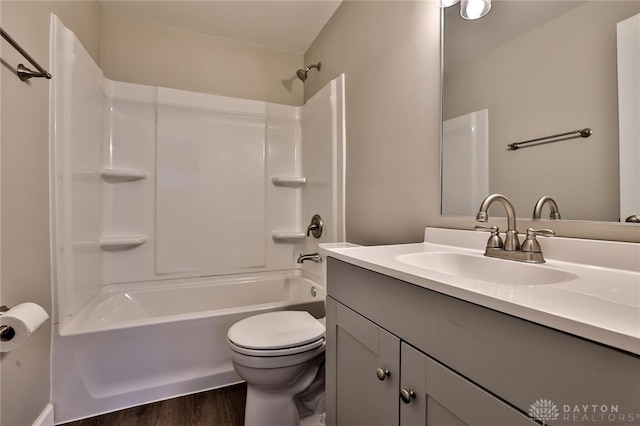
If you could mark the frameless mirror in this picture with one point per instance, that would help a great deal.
(527, 70)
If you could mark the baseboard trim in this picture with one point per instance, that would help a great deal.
(46, 417)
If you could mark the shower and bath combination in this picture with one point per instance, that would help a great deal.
(302, 73)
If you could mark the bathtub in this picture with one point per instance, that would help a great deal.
(138, 343)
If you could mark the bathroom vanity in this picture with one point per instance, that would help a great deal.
(409, 346)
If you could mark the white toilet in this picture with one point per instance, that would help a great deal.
(278, 354)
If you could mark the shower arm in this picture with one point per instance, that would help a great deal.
(302, 73)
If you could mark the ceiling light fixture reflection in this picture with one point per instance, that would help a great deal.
(446, 3)
(474, 9)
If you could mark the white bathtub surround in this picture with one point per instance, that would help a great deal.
(325, 188)
(175, 214)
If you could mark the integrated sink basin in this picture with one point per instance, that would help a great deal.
(589, 288)
(487, 269)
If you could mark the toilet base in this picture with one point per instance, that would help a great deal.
(270, 409)
(276, 407)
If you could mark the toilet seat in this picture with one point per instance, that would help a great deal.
(276, 352)
(276, 334)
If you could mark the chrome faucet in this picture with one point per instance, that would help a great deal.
(313, 256)
(529, 252)
(554, 214)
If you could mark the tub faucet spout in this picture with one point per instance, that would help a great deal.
(511, 243)
(313, 256)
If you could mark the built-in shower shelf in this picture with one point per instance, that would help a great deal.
(123, 175)
(289, 181)
(290, 236)
(122, 242)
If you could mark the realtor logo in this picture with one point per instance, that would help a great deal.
(544, 410)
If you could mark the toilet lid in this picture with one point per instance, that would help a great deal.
(276, 330)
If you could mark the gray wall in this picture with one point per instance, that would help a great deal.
(389, 52)
(24, 257)
(137, 51)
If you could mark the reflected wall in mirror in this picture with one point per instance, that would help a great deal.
(538, 69)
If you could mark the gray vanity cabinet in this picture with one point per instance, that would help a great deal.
(383, 381)
(465, 364)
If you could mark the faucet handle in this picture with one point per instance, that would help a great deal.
(494, 242)
(530, 243)
(315, 227)
(487, 228)
(543, 232)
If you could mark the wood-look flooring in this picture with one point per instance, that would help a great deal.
(219, 407)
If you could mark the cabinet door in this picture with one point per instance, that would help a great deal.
(364, 360)
(444, 398)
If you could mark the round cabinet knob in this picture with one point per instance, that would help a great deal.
(407, 395)
(382, 374)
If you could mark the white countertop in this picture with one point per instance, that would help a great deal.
(602, 304)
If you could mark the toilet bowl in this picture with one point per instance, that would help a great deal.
(278, 354)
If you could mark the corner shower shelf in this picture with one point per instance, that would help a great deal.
(285, 236)
(291, 182)
(123, 175)
(122, 242)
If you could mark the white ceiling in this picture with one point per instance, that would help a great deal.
(289, 25)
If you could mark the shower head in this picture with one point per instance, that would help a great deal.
(302, 73)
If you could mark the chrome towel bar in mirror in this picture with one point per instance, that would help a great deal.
(585, 133)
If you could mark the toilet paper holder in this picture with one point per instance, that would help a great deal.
(6, 333)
